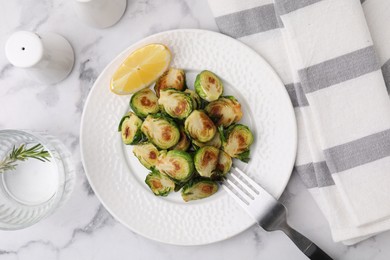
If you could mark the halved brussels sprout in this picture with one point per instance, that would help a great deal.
(161, 131)
(147, 154)
(130, 127)
(216, 141)
(184, 142)
(144, 102)
(237, 142)
(172, 78)
(196, 101)
(175, 103)
(160, 184)
(205, 160)
(208, 86)
(199, 126)
(198, 189)
(224, 111)
(224, 163)
(178, 165)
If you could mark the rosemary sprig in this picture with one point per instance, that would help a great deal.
(21, 154)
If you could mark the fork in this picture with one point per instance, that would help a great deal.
(269, 213)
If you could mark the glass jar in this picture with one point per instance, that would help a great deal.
(34, 189)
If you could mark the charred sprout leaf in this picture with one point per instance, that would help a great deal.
(147, 154)
(199, 126)
(238, 140)
(179, 185)
(217, 176)
(144, 102)
(184, 142)
(244, 156)
(178, 165)
(208, 86)
(206, 160)
(160, 185)
(121, 122)
(196, 101)
(194, 147)
(199, 189)
(131, 129)
(224, 111)
(221, 132)
(175, 103)
(172, 78)
(216, 141)
(161, 131)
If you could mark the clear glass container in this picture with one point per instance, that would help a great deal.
(34, 189)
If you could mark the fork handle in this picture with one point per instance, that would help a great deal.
(314, 252)
(311, 250)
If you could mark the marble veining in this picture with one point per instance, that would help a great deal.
(5, 69)
(49, 96)
(87, 75)
(101, 219)
(88, 188)
(82, 228)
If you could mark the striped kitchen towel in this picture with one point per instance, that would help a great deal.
(334, 58)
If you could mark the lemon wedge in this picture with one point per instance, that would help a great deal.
(140, 69)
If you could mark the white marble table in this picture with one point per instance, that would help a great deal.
(83, 229)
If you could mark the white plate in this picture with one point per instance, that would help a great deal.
(117, 177)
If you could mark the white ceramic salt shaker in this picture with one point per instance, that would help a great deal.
(100, 13)
(47, 57)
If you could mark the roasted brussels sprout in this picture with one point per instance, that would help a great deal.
(144, 102)
(172, 78)
(224, 163)
(178, 165)
(175, 103)
(205, 160)
(184, 142)
(166, 124)
(199, 126)
(216, 142)
(161, 131)
(160, 184)
(237, 140)
(130, 127)
(208, 86)
(198, 189)
(147, 154)
(196, 101)
(224, 111)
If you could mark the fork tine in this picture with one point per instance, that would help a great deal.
(239, 200)
(244, 186)
(239, 191)
(256, 187)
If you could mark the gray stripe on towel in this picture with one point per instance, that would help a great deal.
(340, 69)
(386, 74)
(247, 22)
(295, 91)
(307, 174)
(315, 174)
(358, 152)
(324, 177)
(288, 6)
